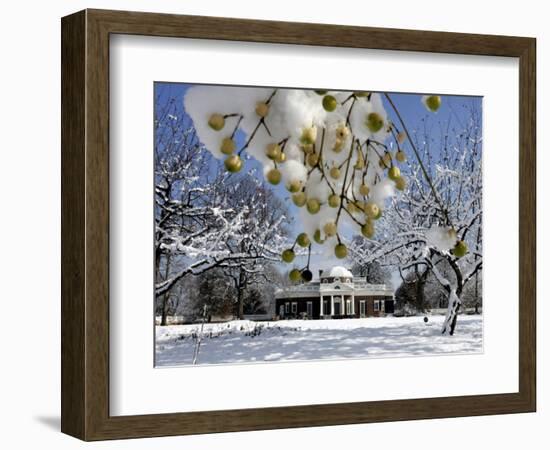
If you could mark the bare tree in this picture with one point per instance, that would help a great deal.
(443, 198)
(267, 213)
(206, 218)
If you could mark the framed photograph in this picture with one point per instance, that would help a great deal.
(273, 225)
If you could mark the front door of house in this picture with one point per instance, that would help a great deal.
(337, 309)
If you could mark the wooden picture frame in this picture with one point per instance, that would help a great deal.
(85, 224)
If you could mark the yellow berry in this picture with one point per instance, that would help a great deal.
(313, 206)
(273, 151)
(303, 240)
(317, 236)
(360, 163)
(312, 159)
(342, 132)
(340, 251)
(294, 186)
(371, 209)
(364, 190)
(309, 135)
(233, 163)
(335, 172)
(274, 176)
(334, 201)
(375, 122)
(400, 156)
(367, 230)
(338, 145)
(216, 122)
(433, 102)
(288, 255)
(330, 229)
(394, 173)
(228, 146)
(329, 103)
(282, 157)
(262, 109)
(460, 249)
(295, 275)
(299, 199)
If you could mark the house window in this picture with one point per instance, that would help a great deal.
(309, 309)
(362, 308)
(294, 307)
(348, 307)
(377, 305)
(286, 308)
(382, 304)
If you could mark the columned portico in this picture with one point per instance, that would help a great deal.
(341, 304)
(334, 295)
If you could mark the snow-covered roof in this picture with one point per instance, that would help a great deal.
(337, 271)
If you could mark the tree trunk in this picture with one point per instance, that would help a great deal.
(453, 307)
(449, 324)
(240, 295)
(421, 279)
(164, 310)
(165, 297)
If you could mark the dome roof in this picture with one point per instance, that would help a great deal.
(337, 272)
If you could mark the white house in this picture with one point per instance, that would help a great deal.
(336, 294)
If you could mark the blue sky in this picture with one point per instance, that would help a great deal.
(454, 111)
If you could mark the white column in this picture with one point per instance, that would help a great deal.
(321, 306)
(332, 305)
(353, 304)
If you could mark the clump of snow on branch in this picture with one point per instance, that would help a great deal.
(295, 171)
(382, 190)
(333, 144)
(442, 238)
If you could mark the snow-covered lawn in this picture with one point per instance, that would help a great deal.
(245, 341)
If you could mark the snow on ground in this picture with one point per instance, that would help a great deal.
(297, 340)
